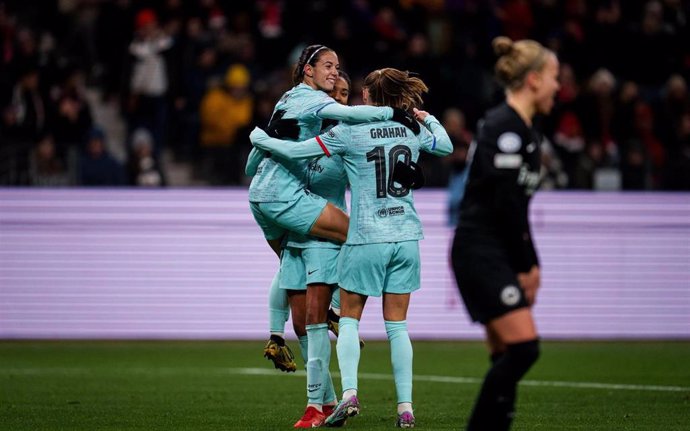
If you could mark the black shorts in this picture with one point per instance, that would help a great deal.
(487, 282)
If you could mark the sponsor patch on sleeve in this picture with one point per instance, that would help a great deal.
(507, 161)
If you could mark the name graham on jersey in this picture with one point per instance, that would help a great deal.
(389, 132)
(391, 211)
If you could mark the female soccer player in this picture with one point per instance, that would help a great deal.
(342, 88)
(381, 254)
(494, 259)
(278, 194)
(308, 272)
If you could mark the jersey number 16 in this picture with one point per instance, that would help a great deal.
(385, 184)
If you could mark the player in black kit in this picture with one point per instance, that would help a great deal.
(494, 259)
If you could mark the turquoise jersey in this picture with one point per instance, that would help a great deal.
(326, 177)
(279, 179)
(381, 209)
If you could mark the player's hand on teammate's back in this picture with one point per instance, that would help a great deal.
(406, 119)
(282, 128)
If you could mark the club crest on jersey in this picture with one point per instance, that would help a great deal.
(510, 295)
(509, 142)
(331, 134)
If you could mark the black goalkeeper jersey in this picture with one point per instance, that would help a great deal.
(504, 173)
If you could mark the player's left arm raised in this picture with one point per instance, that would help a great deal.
(437, 141)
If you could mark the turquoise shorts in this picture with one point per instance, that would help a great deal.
(373, 269)
(302, 266)
(299, 215)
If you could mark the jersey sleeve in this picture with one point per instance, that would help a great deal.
(255, 157)
(434, 138)
(355, 114)
(335, 140)
(294, 150)
(313, 102)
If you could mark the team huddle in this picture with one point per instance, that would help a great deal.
(316, 146)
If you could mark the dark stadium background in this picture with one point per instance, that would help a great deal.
(133, 280)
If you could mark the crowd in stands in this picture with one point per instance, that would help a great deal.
(191, 78)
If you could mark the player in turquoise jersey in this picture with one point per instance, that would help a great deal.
(381, 254)
(278, 196)
(308, 273)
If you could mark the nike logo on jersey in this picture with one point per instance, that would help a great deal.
(531, 147)
(312, 271)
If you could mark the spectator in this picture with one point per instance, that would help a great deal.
(589, 165)
(516, 17)
(552, 174)
(635, 170)
(569, 142)
(25, 117)
(653, 148)
(97, 167)
(678, 175)
(71, 119)
(674, 103)
(225, 109)
(45, 166)
(161, 55)
(150, 77)
(454, 123)
(596, 112)
(143, 169)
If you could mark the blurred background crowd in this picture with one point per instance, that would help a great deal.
(156, 93)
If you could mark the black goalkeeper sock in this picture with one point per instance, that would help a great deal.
(495, 404)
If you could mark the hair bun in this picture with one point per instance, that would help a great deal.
(502, 45)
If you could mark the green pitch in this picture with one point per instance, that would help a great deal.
(229, 386)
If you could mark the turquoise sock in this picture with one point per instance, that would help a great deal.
(317, 363)
(278, 307)
(335, 298)
(401, 359)
(304, 348)
(348, 352)
(329, 396)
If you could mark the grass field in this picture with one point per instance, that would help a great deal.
(229, 386)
